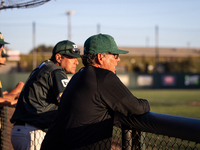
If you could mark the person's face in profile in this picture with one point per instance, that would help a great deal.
(69, 64)
(110, 62)
(2, 59)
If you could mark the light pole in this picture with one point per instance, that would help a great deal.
(156, 46)
(69, 13)
(98, 28)
(34, 49)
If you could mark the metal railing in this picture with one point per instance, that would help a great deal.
(151, 131)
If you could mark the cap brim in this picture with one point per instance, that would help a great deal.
(74, 55)
(2, 42)
(4, 55)
(120, 52)
(69, 54)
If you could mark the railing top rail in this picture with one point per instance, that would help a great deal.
(170, 125)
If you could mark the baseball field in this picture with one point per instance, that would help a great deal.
(174, 102)
(184, 103)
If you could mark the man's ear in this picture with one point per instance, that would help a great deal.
(100, 58)
(58, 58)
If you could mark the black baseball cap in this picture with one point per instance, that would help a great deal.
(66, 47)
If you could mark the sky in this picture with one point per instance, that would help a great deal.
(132, 23)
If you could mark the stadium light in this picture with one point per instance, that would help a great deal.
(69, 13)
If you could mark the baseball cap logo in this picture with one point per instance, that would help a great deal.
(75, 46)
(64, 82)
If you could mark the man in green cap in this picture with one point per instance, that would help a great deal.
(13, 94)
(41, 95)
(7, 98)
(2, 43)
(86, 113)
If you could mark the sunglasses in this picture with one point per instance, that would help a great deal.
(1, 45)
(73, 51)
(116, 56)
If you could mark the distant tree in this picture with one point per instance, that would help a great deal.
(184, 66)
(136, 69)
(43, 48)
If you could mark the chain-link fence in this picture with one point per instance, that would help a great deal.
(121, 139)
(6, 128)
(136, 140)
(149, 141)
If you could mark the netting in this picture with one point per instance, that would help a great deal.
(9, 4)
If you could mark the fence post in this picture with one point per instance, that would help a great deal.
(131, 139)
(126, 139)
(136, 140)
(142, 141)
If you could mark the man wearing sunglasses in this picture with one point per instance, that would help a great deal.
(88, 105)
(2, 43)
(7, 98)
(41, 95)
(2, 61)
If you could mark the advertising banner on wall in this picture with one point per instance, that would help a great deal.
(14, 55)
(168, 80)
(125, 79)
(191, 80)
(145, 80)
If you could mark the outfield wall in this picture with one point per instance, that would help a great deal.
(131, 80)
(161, 81)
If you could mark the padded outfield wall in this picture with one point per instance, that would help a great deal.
(131, 80)
(161, 81)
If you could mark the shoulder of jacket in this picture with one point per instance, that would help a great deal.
(51, 66)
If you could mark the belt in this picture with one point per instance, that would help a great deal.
(19, 122)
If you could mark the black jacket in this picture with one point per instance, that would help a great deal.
(86, 112)
(38, 100)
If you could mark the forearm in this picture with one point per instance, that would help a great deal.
(11, 96)
(130, 105)
(17, 89)
(7, 102)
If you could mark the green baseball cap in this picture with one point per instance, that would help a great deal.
(102, 43)
(66, 48)
(3, 54)
(2, 40)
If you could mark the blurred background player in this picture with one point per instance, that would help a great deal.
(7, 98)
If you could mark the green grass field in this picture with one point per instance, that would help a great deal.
(184, 103)
(174, 102)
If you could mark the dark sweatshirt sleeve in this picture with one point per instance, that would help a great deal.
(118, 97)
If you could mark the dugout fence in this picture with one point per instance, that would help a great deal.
(155, 131)
(152, 131)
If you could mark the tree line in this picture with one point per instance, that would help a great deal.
(129, 63)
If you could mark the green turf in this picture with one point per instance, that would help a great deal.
(175, 102)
